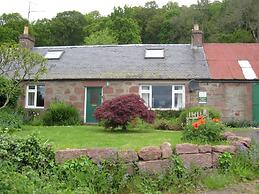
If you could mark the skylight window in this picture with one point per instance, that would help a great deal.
(154, 54)
(54, 54)
(247, 69)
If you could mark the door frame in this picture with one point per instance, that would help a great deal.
(85, 104)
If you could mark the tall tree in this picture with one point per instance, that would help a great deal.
(68, 28)
(11, 26)
(124, 27)
(16, 65)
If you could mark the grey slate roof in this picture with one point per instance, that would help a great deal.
(127, 62)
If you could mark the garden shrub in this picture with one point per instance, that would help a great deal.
(240, 123)
(28, 152)
(120, 111)
(204, 131)
(9, 120)
(167, 124)
(167, 114)
(224, 161)
(213, 113)
(5, 84)
(60, 113)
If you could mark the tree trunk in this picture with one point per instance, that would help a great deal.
(6, 101)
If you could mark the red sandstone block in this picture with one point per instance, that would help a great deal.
(154, 166)
(134, 89)
(224, 148)
(49, 91)
(186, 148)
(203, 160)
(79, 90)
(108, 90)
(63, 155)
(128, 156)
(72, 98)
(166, 150)
(102, 154)
(67, 91)
(150, 153)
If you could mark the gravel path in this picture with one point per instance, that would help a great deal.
(240, 188)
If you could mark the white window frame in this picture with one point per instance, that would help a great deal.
(35, 97)
(141, 91)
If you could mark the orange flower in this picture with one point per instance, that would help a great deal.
(202, 121)
(200, 117)
(216, 120)
(196, 125)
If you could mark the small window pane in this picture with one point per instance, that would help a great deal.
(146, 97)
(162, 96)
(31, 96)
(178, 87)
(154, 53)
(40, 96)
(178, 100)
(31, 87)
(145, 87)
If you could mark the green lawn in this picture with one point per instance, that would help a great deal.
(94, 136)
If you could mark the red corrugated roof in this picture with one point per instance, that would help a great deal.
(223, 59)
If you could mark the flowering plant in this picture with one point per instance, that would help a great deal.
(204, 130)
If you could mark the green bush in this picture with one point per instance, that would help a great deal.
(28, 152)
(240, 123)
(213, 113)
(60, 113)
(225, 161)
(167, 124)
(205, 133)
(9, 120)
(168, 114)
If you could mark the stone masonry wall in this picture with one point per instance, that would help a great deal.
(156, 159)
(233, 100)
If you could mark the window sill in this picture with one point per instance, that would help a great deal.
(33, 107)
(167, 108)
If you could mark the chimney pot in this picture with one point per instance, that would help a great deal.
(26, 40)
(26, 30)
(197, 36)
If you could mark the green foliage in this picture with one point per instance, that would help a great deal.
(103, 37)
(8, 90)
(224, 161)
(26, 153)
(217, 180)
(240, 123)
(67, 28)
(213, 113)
(60, 113)
(245, 165)
(11, 27)
(109, 177)
(177, 179)
(167, 124)
(205, 133)
(9, 121)
(24, 65)
(167, 114)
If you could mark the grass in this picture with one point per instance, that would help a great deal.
(62, 137)
(217, 180)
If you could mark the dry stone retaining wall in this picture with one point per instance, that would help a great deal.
(155, 159)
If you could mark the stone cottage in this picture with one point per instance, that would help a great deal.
(166, 76)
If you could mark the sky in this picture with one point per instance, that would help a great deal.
(49, 8)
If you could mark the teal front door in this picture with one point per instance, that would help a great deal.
(256, 102)
(93, 100)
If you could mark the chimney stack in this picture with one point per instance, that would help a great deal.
(197, 36)
(26, 40)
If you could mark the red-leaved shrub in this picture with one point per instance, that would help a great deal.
(123, 109)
